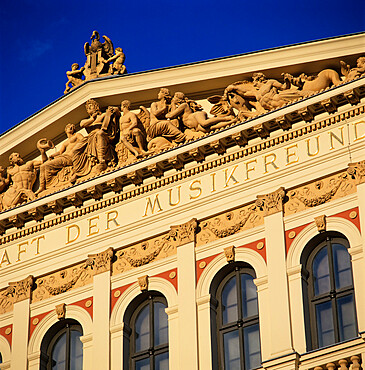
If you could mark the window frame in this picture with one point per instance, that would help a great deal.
(311, 300)
(233, 270)
(135, 308)
(51, 338)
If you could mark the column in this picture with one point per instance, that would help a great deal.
(101, 263)
(280, 327)
(186, 274)
(21, 312)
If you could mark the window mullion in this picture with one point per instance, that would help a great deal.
(68, 341)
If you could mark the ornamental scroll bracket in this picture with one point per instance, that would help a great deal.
(321, 223)
(271, 203)
(143, 283)
(184, 233)
(101, 262)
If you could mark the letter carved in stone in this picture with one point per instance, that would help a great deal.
(271, 203)
(101, 262)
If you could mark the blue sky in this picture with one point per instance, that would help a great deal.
(41, 39)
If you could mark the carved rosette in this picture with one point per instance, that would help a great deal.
(321, 223)
(184, 233)
(271, 203)
(101, 262)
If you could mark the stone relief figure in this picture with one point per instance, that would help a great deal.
(162, 132)
(118, 67)
(61, 160)
(132, 131)
(310, 84)
(21, 177)
(74, 77)
(97, 54)
(96, 151)
(351, 73)
(193, 117)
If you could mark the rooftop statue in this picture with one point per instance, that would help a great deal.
(100, 61)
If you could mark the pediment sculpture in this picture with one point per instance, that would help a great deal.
(117, 136)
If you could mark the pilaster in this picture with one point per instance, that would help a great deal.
(188, 334)
(101, 263)
(21, 311)
(280, 326)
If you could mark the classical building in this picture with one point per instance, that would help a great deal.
(205, 216)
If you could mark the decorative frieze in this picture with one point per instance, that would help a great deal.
(229, 223)
(184, 233)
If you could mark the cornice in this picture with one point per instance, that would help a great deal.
(120, 178)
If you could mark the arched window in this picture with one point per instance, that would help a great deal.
(146, 331)
(328, 291)
(61, 347)
(237, 319)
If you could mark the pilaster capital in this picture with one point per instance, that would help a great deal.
(20, 290)
(271, 203)
(101, 262)
(357, 171)
(184, 233)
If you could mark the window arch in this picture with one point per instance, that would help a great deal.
(235, 330)
(146, 344)
(328, 291)
(61, 347)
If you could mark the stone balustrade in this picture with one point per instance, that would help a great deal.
(352, 363)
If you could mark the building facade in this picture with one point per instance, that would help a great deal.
(224, 240)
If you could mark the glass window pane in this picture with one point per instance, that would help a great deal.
(229, 301)
(321, 272)
(142, 330)
(59, 353)
(251, 338)
(342, 266)
(162, 361)
(231, 351)
(143, 364)
(160, 324)
(249, 296)
(325, 330)
(346, 317)
(75, 351)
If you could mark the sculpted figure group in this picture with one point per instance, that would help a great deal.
(119, 136)
(101, 60)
